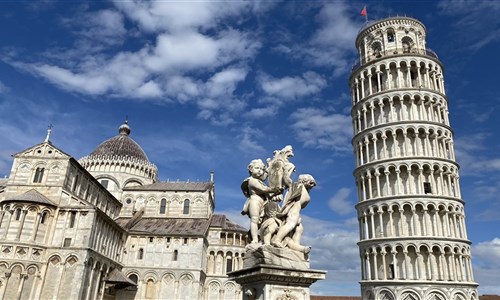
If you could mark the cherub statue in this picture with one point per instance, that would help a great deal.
(257, 193)
(290, 231)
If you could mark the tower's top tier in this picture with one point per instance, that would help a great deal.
(391, 36)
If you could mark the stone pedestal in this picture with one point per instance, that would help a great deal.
(271, 273)
(269, 282)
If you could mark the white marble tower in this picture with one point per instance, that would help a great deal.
(413, 241)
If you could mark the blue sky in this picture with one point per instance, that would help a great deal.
(212, 85)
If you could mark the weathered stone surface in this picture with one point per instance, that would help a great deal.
(265, 282)
(257, 254)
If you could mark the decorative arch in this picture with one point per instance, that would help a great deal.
(133, 182)
(435, 295)
(409, 295)
(386, 295)
(109, 177)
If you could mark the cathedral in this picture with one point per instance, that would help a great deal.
(105, 227)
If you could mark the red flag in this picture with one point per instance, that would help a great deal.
(363, 11)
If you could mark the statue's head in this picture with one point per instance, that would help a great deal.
(307, 180)
(287, 151)
(256, 168)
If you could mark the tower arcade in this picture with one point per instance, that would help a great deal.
(413, 241)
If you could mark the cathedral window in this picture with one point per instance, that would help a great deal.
(67, 242)
(151, 239)
(186, 207)
(175, 255)
(185, 242)
(150, 289)
(18, 214)
(43, 218)
(38, 175)
(163, 205)
(105, 183)
(140, 254)
(72, 218)
(229, 264)
(134, 278)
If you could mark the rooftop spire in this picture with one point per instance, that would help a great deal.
(49, 131)
(124, 128)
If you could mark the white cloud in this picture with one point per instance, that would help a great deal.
(89, 83)
(309, 83)
(316, 128)
(332, 45)
(261, 112)
(486, 259)
(340, 203)
(107, 26)
(474, 35)
(185, 63)
(248, 143)
(154, 16)
(225, 82)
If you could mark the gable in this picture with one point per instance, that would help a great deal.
(45, 150)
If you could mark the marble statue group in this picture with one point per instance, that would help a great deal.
(274, 208)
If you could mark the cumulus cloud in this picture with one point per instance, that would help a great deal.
(332, 45)
(486, 259)
(318, 129)
(154, 16)
(288, 87)
(340, 203)
(176, 60)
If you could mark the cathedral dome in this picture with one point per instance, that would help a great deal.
(121, 146)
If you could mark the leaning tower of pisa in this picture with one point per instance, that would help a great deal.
(413, 241)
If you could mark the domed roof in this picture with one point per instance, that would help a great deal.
(121, 146)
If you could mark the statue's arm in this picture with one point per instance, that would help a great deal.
(259, 186)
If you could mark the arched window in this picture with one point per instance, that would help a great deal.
(390, 36)
(140, 254)
(18, 214)
(104, 183)
(186, 207)
(407, 44)
(377, 48)
(229, 264)
(163, 204)
(38, 175)
(175, 255)
(43, 218)
(133, 277)
(150, 289)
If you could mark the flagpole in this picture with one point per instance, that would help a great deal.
(364, 13)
